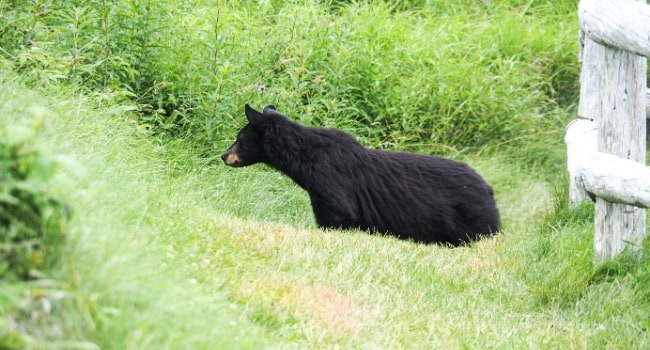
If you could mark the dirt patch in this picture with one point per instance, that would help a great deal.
(328, 314)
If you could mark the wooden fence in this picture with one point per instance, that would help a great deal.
(606, 145)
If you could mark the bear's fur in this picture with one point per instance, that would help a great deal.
(411, 196)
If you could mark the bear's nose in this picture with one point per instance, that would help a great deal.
(231, 157)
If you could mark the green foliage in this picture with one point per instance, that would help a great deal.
(448, 75)
(168, 250)
(33, 228)
(32, 222)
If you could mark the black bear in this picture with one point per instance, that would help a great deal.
(411, 196)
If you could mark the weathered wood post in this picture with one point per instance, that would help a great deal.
(613, 95)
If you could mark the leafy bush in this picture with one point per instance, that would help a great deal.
(32, 222)
(448, 75)
(33, 226)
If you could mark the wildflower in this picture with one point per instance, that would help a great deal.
(262, 87)
(31, 42)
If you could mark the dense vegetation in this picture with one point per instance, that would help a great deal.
(115, 112)
(448, 75)
(31, 220)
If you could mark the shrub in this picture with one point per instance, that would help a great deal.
(32, 222)
(405, 74)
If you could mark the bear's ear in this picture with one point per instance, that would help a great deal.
(270, 109)
(254, 117)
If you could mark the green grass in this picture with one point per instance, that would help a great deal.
(439, 76)
(168, 250)
(119, 262)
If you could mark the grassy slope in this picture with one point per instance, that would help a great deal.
(130, 289)
(170, 252)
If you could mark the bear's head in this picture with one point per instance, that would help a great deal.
(248, 149)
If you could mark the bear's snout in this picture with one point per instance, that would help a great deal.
(231, 158)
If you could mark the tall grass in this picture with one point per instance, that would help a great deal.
(432, 75)
(169, 249)
(118, 262)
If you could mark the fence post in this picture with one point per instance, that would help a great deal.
(613, 86)
(621, 133)
(613, 94)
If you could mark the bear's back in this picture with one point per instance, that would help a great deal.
(425, 198)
